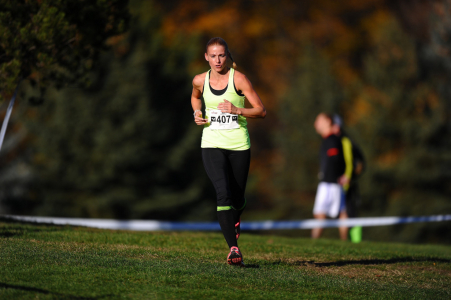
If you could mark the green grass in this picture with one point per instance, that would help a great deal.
(51, 262)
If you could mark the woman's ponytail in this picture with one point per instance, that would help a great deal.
(231, 58)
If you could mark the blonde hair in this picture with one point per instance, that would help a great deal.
(220, 41)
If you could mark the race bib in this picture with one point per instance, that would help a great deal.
(220, 121)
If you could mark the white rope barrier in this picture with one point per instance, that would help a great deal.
(144, 225)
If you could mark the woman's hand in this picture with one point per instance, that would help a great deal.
(228, 107)
(198, 118)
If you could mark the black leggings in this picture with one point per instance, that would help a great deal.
(227, 170)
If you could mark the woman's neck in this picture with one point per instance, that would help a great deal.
(218, 81)
(218, 75)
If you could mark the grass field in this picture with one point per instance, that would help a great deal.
(51, 262)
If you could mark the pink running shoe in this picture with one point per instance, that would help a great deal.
(235, 258)
(238, 229)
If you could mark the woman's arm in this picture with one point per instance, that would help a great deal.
(258, 109)
(196, 101)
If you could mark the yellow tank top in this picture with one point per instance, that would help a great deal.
(230, 139)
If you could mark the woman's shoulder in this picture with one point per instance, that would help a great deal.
(199, 79)
(240, 79)
(238, 75)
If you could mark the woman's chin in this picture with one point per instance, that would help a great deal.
(221, 69)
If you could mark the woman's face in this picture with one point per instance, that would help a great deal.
(216, 57)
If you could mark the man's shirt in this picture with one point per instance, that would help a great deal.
(332, 163)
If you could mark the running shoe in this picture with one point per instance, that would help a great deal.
(235, 258)
(238, 229)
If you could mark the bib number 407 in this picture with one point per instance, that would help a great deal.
(224, 119)
(219, 120)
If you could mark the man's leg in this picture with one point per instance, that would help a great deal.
(320, 207)
(343, 230)
(343, 215)
(316, 232)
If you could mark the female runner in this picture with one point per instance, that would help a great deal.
(225, 139)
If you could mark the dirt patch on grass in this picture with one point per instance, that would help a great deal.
(430, 276)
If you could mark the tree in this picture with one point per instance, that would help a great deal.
(313, 90)
(54, 40)
(126, 147)
(404, 125)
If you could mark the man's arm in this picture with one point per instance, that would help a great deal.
(345, 179)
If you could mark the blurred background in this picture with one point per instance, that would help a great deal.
(124, 145)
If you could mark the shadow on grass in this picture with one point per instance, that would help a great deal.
(30, 227)
(362, 262)
(251, 266)
(38, 290)
(8, 234)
